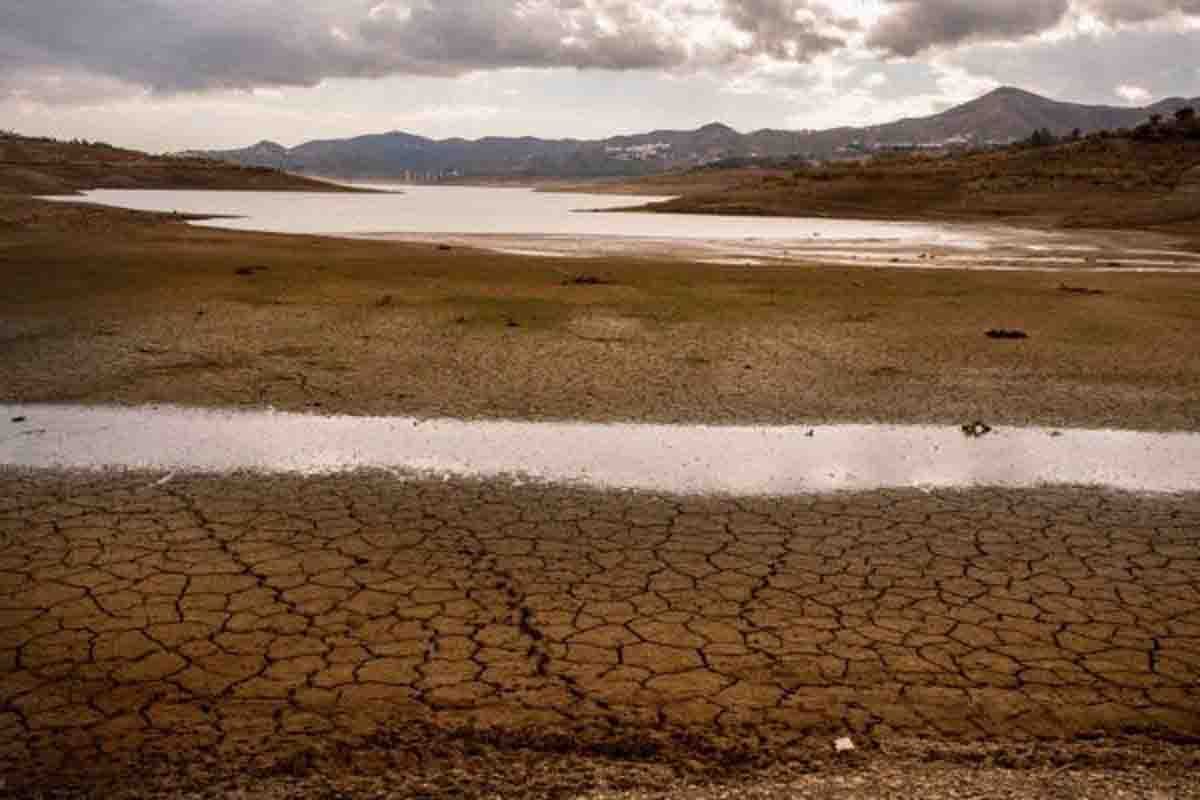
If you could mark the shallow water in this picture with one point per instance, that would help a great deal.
(495, 210)
(682, 459)
(1008, 252)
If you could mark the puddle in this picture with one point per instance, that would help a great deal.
(677, 459)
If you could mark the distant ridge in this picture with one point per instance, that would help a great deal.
(1003, 115)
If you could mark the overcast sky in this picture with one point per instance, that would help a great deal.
(172, 74)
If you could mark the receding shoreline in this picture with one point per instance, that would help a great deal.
(108, 306)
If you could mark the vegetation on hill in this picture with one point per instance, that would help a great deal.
(997, 118)
(43, 166)
(1148, 176)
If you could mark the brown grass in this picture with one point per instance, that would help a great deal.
(1100, 183)
(47, 166)
(111, 306)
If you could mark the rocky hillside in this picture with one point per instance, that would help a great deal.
(1001, 116)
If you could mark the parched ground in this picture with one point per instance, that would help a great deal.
(360, 633)
(104, 306)
(329, 637)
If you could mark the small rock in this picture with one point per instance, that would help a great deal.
(1062, 287)
(1005, 333)
(445, 247)
(512, 323)
(976, 429)
(586, 280)
(844, 745)
(384, 301)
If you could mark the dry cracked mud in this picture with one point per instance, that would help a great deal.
(254, 625)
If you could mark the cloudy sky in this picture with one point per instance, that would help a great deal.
(172, 74)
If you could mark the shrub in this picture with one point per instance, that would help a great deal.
(1041, 138)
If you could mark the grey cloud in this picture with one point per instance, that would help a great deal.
(171, 46)
(1141, 10)
(453, 36)
(785, 29)
(916, 25)
(180, 45)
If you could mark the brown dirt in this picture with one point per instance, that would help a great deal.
(357, 634)
(107, 306)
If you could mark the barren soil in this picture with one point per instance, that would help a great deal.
(103, 306)
(361, 636)
(442, 639)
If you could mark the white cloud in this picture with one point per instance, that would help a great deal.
(1133, 95)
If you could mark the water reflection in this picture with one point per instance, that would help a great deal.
(682, 459)
(491, 210)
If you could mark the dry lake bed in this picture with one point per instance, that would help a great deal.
(594, 526)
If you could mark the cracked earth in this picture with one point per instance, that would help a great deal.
(246, 619)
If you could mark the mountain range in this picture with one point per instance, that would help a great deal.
(999, 117)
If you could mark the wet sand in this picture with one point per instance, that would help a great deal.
(985, 249)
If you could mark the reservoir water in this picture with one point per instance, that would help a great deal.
(505, 211)
(527, 222)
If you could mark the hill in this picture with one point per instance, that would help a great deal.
(1148, 179)
(1008, 114)
(45, 166)
(1002, 116)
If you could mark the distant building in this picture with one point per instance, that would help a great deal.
(638, 152)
